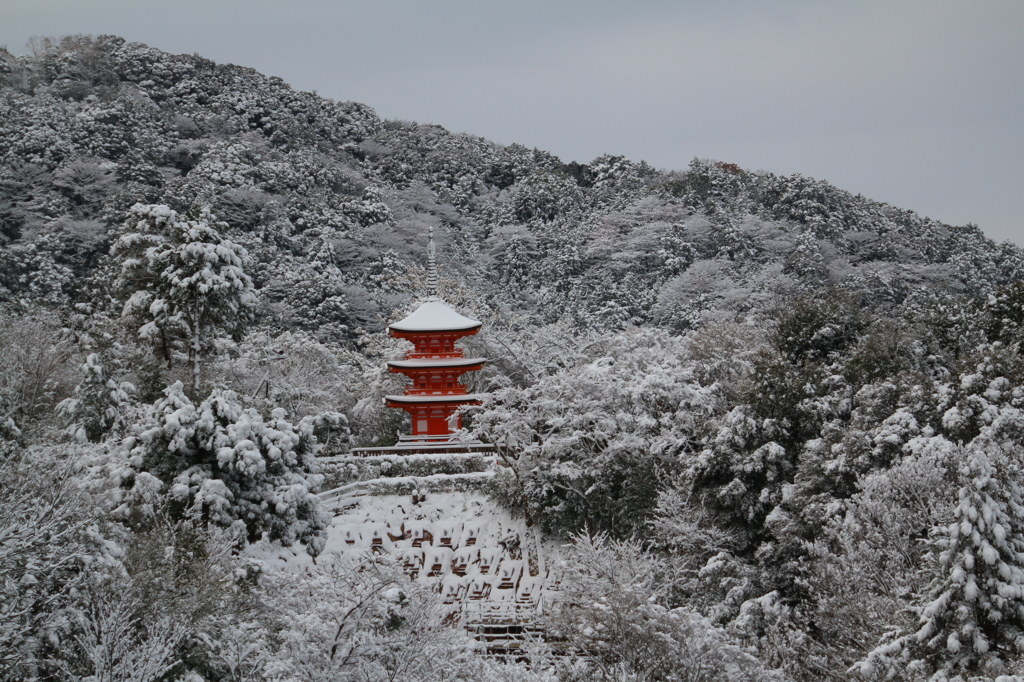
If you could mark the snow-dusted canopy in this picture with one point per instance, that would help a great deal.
(434, 316)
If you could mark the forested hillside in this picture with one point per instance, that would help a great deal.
(781, 423)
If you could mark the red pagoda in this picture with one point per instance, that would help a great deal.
(434, 366)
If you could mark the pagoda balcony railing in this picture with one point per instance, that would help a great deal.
(413, 355)
(460, 390)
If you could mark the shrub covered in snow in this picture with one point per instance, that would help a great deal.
(47, 538)
(98, 404)
(614, 611)
(222, 463)
(362, 619)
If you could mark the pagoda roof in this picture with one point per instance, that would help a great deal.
(434, 316)
(435, 398)
(440, 363)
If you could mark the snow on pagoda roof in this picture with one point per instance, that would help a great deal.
(440, 363)
(435, 398)
(434, 316)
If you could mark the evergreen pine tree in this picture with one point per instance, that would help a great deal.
(98, 403)
(976, 610)
(186, 283)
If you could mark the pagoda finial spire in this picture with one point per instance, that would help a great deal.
(431, 265)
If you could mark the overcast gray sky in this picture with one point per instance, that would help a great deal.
(919, 103)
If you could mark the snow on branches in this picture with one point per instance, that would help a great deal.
(98, 404)
(595, 442)
(184, 283)
(363, 619)
(974, 618)
(45, 540)
(224, 464)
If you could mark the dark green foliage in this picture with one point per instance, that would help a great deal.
(886, 348)
(1004, 312)
(619, 498)
(581, 173)
(813, 329)
(501, 175)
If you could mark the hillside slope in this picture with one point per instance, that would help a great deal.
(332, 203)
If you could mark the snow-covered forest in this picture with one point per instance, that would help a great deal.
(777, 427)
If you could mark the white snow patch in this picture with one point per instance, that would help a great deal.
(434, 316)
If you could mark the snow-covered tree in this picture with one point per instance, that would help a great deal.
(974, 619)
(309, 296)
(32, 269)
(613, 610)
(44, 545)
(362, 619)
(1005, 312)
(222, 463)
(37, 368)
(867, 561)
(596, 442)
(98, 405)
(184, 282)
(117, 643)
(295, 371)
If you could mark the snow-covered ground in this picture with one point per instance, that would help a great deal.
(489, 566)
